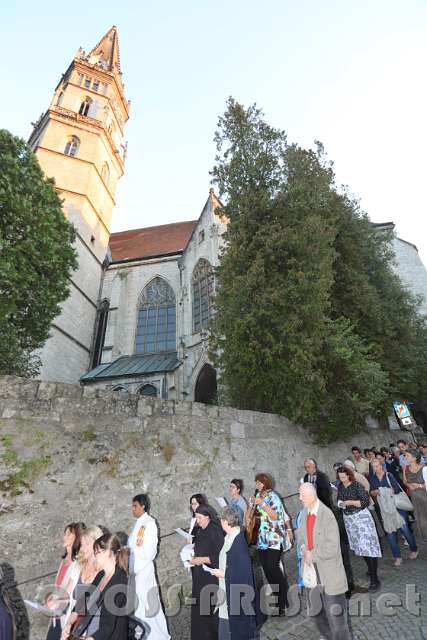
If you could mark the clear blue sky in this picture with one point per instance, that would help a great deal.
(351, 73)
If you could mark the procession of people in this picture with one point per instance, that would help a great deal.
(106, 587)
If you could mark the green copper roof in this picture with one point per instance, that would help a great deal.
(134, 366)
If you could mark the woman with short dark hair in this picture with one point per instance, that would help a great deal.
(195, 501)
(207, 545)
(358, 521)
(237, 501)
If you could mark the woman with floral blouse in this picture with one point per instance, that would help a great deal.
(353, 499)
(274, 535)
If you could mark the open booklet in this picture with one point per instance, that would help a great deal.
(222, 502)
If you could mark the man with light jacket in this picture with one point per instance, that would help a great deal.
(319, 538)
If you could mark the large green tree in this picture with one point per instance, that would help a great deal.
(36, 256)
(304, 324)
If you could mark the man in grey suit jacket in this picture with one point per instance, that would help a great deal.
(319, 538)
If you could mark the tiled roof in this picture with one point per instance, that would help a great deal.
(151, 242)
(134, 366)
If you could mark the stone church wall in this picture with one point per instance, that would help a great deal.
(70, 453)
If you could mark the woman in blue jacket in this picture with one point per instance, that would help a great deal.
(237, 611)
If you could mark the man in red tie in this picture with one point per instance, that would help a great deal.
(319, 539)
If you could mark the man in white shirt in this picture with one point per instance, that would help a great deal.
(143, 546)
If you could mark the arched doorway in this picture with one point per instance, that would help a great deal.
(206, 387)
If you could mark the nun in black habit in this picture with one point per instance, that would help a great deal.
(207, 545)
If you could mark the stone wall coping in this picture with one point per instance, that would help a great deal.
(93, 400)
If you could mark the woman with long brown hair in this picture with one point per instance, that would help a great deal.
(65, 581)
(107, 617)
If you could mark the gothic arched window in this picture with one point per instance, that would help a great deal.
(105, 172)
(203, 289)
(85, 106)
(72, 146)
(148, 390)
(156, 327)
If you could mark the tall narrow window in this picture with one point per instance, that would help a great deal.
(95, 85)
(203, 290)
(105, 172)
(87, 82)
(156, 328)
(72, 146)
(100, 329)
(85, 106)
(60, 99)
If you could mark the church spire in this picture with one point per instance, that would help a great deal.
(106, 52)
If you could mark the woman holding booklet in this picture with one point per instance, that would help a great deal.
(207, 545)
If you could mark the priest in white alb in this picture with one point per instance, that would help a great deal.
(143, 550)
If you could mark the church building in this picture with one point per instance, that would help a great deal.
(140, 301)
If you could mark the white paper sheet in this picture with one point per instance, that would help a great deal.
(183, 533)
(222, 502)
(208, 569)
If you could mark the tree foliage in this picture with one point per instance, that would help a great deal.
(311, 321)
(36, 256)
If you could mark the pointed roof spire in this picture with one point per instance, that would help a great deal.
(106, 52)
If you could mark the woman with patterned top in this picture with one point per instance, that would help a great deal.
(359, 524)
(274, 535)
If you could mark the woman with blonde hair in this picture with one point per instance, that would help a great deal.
(88, 569)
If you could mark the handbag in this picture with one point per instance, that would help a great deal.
(401, 500)
(309, 575)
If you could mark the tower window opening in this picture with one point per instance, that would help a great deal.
(72, 146)
(95, 85)
(60, 99)
(85, 106)
(88, 82)
(80, 77)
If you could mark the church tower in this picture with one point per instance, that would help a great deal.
(79, 142)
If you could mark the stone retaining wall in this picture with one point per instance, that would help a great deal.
(77, 453)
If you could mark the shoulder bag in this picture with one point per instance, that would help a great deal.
(401, 500)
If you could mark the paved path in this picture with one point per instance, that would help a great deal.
(372, 617)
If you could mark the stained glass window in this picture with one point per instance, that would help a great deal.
(156, 328)
(203, 290)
